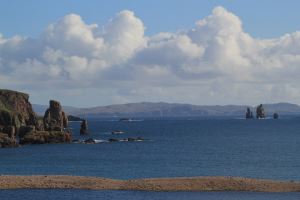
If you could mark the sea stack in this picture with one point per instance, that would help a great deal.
(260, 112)
(84, 127)
(249, 114)
(55, 118)
(275, 115)
(54, 123)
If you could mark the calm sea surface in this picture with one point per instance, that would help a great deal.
(175, 148)
(136, 195)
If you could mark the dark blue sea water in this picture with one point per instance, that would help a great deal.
(137, 195)
(175, 148)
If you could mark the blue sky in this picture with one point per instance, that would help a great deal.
(89, 53)
(264, 18)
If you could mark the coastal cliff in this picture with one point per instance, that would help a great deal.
(18, 120)
(15, 113)
(16, 110)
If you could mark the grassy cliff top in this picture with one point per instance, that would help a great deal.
(6, 91)
(15, 109)
(9, 97)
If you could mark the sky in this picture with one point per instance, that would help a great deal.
(90, 53)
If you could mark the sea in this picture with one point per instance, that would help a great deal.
(172, 147)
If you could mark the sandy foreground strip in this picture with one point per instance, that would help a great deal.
(155, 184)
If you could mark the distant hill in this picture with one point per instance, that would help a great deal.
(284, 108)
(161, 109)
(40, 109)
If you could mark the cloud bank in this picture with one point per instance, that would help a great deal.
(216, 62)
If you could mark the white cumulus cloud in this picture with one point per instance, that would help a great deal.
(215, 62)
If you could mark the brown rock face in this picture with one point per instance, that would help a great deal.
(54, 122)
(43, 137)
(16, 114)
(16, 110)
(55, 118)
(7, 141)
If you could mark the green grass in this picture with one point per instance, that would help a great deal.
(4, 107)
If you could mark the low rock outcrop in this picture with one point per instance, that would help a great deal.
(89, 141)
(43, 137)
(138, 139)
(260, 112)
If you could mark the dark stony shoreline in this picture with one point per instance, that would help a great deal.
(152, 184)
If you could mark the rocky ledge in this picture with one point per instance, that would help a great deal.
(42, 137)
(6, 141)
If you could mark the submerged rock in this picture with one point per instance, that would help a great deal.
(117, 132)
(138, 139)
(260, 112)
(89, 141)
(113, 140)
(76, 141)
(125, 119)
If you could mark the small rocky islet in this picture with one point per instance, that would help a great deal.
(260, 113)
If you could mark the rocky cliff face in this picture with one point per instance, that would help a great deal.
(55, 118)
(17, 119)
(15, 113)
(16, 110)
